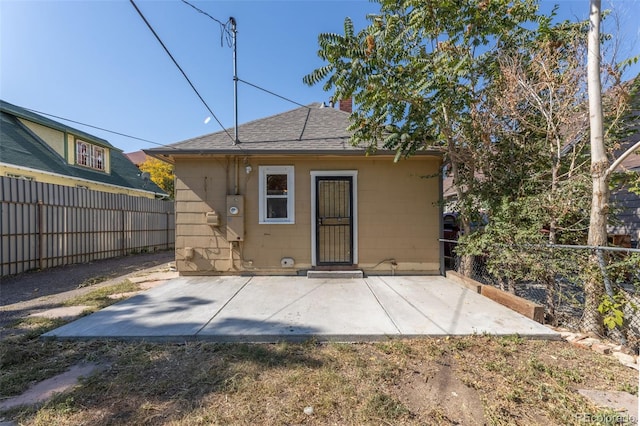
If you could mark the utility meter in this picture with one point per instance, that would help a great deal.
(235, 218)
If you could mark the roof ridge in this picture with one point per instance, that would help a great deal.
(309, 107)
(38, 118)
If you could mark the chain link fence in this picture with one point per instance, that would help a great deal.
(555, 276)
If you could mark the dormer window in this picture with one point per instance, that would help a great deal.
(89, 155)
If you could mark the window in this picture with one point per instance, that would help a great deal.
(276, 194)
(89, 155)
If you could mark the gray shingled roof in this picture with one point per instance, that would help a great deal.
(310, 129)
(19, 146)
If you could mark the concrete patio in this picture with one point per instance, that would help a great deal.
(270, 309)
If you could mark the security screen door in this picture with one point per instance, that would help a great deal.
(334, 219)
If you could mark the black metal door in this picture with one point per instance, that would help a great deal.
(334, 220)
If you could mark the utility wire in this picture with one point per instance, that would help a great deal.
(99, 128)
(272, 93)
(224, 27)
(225, 30)
(181, 70)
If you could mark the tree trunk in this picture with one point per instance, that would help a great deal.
(594, 283)
(466, 260)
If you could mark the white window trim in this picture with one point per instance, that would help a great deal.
(354, 189)
(262, 188)
(95, 156)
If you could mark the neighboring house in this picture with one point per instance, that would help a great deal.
(36, 148)
(136, 157)
(293, 194)
(627, 204)
(449, 194)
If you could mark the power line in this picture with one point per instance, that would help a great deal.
(224, 27)
(99, 128)
(181, 70)
(224, 30)
(272, 93)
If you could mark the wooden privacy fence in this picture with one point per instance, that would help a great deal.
(45, 225)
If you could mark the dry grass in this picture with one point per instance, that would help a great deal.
(470, 380)
(515, 381)
(99, 299)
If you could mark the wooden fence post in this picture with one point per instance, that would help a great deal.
(167, 233)
(41, 239)
(124, 233)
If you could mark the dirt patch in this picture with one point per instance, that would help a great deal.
(46, 389)
(33, 292)
(65, 312)
(54, 281)
(442, 395)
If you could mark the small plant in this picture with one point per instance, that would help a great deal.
(461, 344)
(64, 405)
(35, 326)
(538, 365)
(612, 310)
(494, 366)
(514, 339)
(516, 395)
(92, 281)
(100, 298)
(394, 346)
(383, 406)
(629, 388)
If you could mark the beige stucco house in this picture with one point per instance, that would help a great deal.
(292, 194)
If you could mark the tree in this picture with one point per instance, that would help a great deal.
(601, 172)
(469, 78)
(594, 288)
(161, 174)
(534, 182)
(417, 73)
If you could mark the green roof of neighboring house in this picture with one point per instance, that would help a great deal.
(17, 111)
(19, 146)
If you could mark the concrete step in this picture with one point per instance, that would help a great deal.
(335, 274)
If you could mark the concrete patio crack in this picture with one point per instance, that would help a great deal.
(222, 307)
(382, 306)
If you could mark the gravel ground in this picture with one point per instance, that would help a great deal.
(30, 292)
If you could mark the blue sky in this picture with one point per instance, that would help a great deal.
(96, 62)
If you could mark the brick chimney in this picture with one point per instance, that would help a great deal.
(346, 105)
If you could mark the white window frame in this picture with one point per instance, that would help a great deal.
(262, 188)
(94, 156)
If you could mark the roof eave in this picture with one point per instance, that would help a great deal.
(164, 153)
(83, 179)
